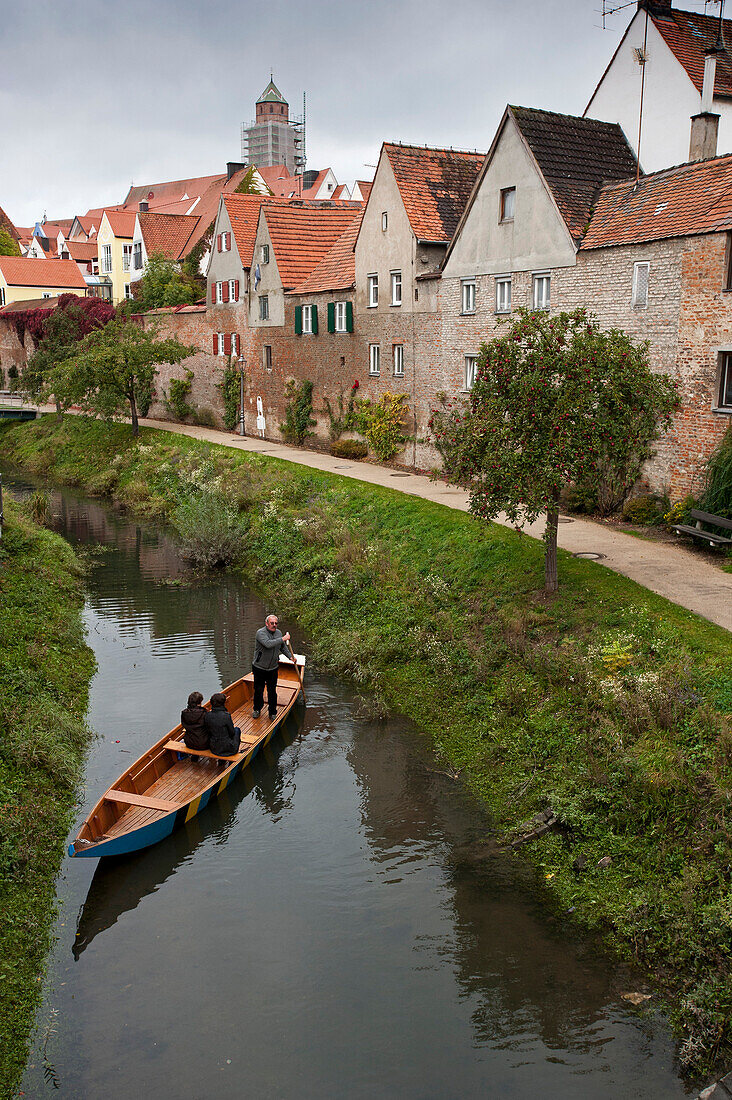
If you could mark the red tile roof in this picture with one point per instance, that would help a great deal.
(172, 191)
(64, 224)
(302, 235)
(337, 269)
(364, 187)
(688, 35)
(87, 223)
(52, 230)
(435, 185)
(678, 202)
(7, 225)
(20, 271)
(122, 224)
(82, 251)
(243, 211)
(278, 179)
(96, 212)
(167, 233)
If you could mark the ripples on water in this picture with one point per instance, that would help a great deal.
(319, 930)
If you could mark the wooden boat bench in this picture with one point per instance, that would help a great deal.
(180, 746)
(141, 800)
(698, 532)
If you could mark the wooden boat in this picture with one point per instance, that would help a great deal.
(171, 783)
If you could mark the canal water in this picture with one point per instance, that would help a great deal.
(323, 929)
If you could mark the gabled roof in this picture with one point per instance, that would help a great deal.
(271, 94)
(688, 35)
(7, 225)
(302, 235)
(166, 233)
(243, 211)
(156, 194)
(122, 223)
(575, 156)
(87, 223)
(64, 224)
(364, 187)
(20, 271)
(337, 269)
(82, 251)
(435, 185)
(278, 179)
(51, 230)
(677, 202)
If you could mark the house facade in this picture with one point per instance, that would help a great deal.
(114, 241)
(23, 279)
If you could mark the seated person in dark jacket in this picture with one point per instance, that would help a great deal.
(191, 719)
(224, 736)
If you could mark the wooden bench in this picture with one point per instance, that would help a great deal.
(180, 746)
(698, 532)
(142, 800)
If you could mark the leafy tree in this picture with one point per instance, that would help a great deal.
(8, 245)
(116, 366)
(61, 331)
(555, 401)
(162, 285)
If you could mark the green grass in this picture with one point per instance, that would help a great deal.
(606, 703)
(46, 670)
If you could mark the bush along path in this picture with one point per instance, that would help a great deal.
(46, 671)
(602, 709)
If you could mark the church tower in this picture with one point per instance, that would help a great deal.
(272, 138)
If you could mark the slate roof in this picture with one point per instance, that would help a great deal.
(337, 269)
(677, 202)
(576, 157)
(167, 233)
(21, 271)
(688, 35)
(435, 185)
(302, 235)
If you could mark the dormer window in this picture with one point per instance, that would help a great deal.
(508, 203)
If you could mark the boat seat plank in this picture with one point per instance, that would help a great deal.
(179, 746)
(141, 800)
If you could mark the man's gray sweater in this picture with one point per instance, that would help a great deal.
(267, 649)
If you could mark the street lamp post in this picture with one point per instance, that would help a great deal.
(242, 364)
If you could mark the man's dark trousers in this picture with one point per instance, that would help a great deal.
(270, 679)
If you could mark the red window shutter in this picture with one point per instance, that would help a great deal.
(213, 293)
(216, 343)
(236, 290)
(218, 243)
(227, 343)
(225, 288)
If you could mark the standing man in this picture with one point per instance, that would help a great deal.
(268, 644)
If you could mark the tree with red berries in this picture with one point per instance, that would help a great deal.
(556, 401)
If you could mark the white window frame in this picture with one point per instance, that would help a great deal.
(220, 336)
(307, 320)
(503, 300)
(398, 360)
(541, 281)
(637, 301)
(137, 255)
(470, 366)
(384, 221)
(219, 293)
(508, 198)
(341, 317)
(396, 288)
(467, 296)
(235, 344)
(232, 290)
(264, 307)
(226, 241)
(2, 295)
(106, 259)
(372, 282)
(126, 256)
(374, 360)
(265, 253)
(724, 385)
(128, 290)
(46, 294)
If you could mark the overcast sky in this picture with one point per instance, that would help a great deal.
(96, 95)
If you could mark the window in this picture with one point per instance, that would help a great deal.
(396, 288)
(542, 289)
(398, 360)
(267, 357)
(2, 295)
(126, 255)
(233, 291)
(235, 343)
(128, 290)
(265, 253)
(341, 324)
(221, 343)
(137, 256)
(728, 264)
(468, 293)
(373, 287)
(503, 295)
(106, 259)
(307, 320)
(508, 203)
(725, 381)
(470, 364)
(225, 242)
(384, 221)
(263, 307)
(374, 359)
(46, 294)
(640, 285)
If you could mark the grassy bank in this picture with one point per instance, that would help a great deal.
(46, 669)
(606, 703)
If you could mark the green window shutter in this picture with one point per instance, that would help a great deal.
(315, 320)
(298, 320)
(331, 316)
(349, 316)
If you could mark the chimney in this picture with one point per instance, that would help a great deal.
(655, 7)
(143, 207)
(232, 167)
(705, 125)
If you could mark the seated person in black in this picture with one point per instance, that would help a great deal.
(191, 719)
(224, 736)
